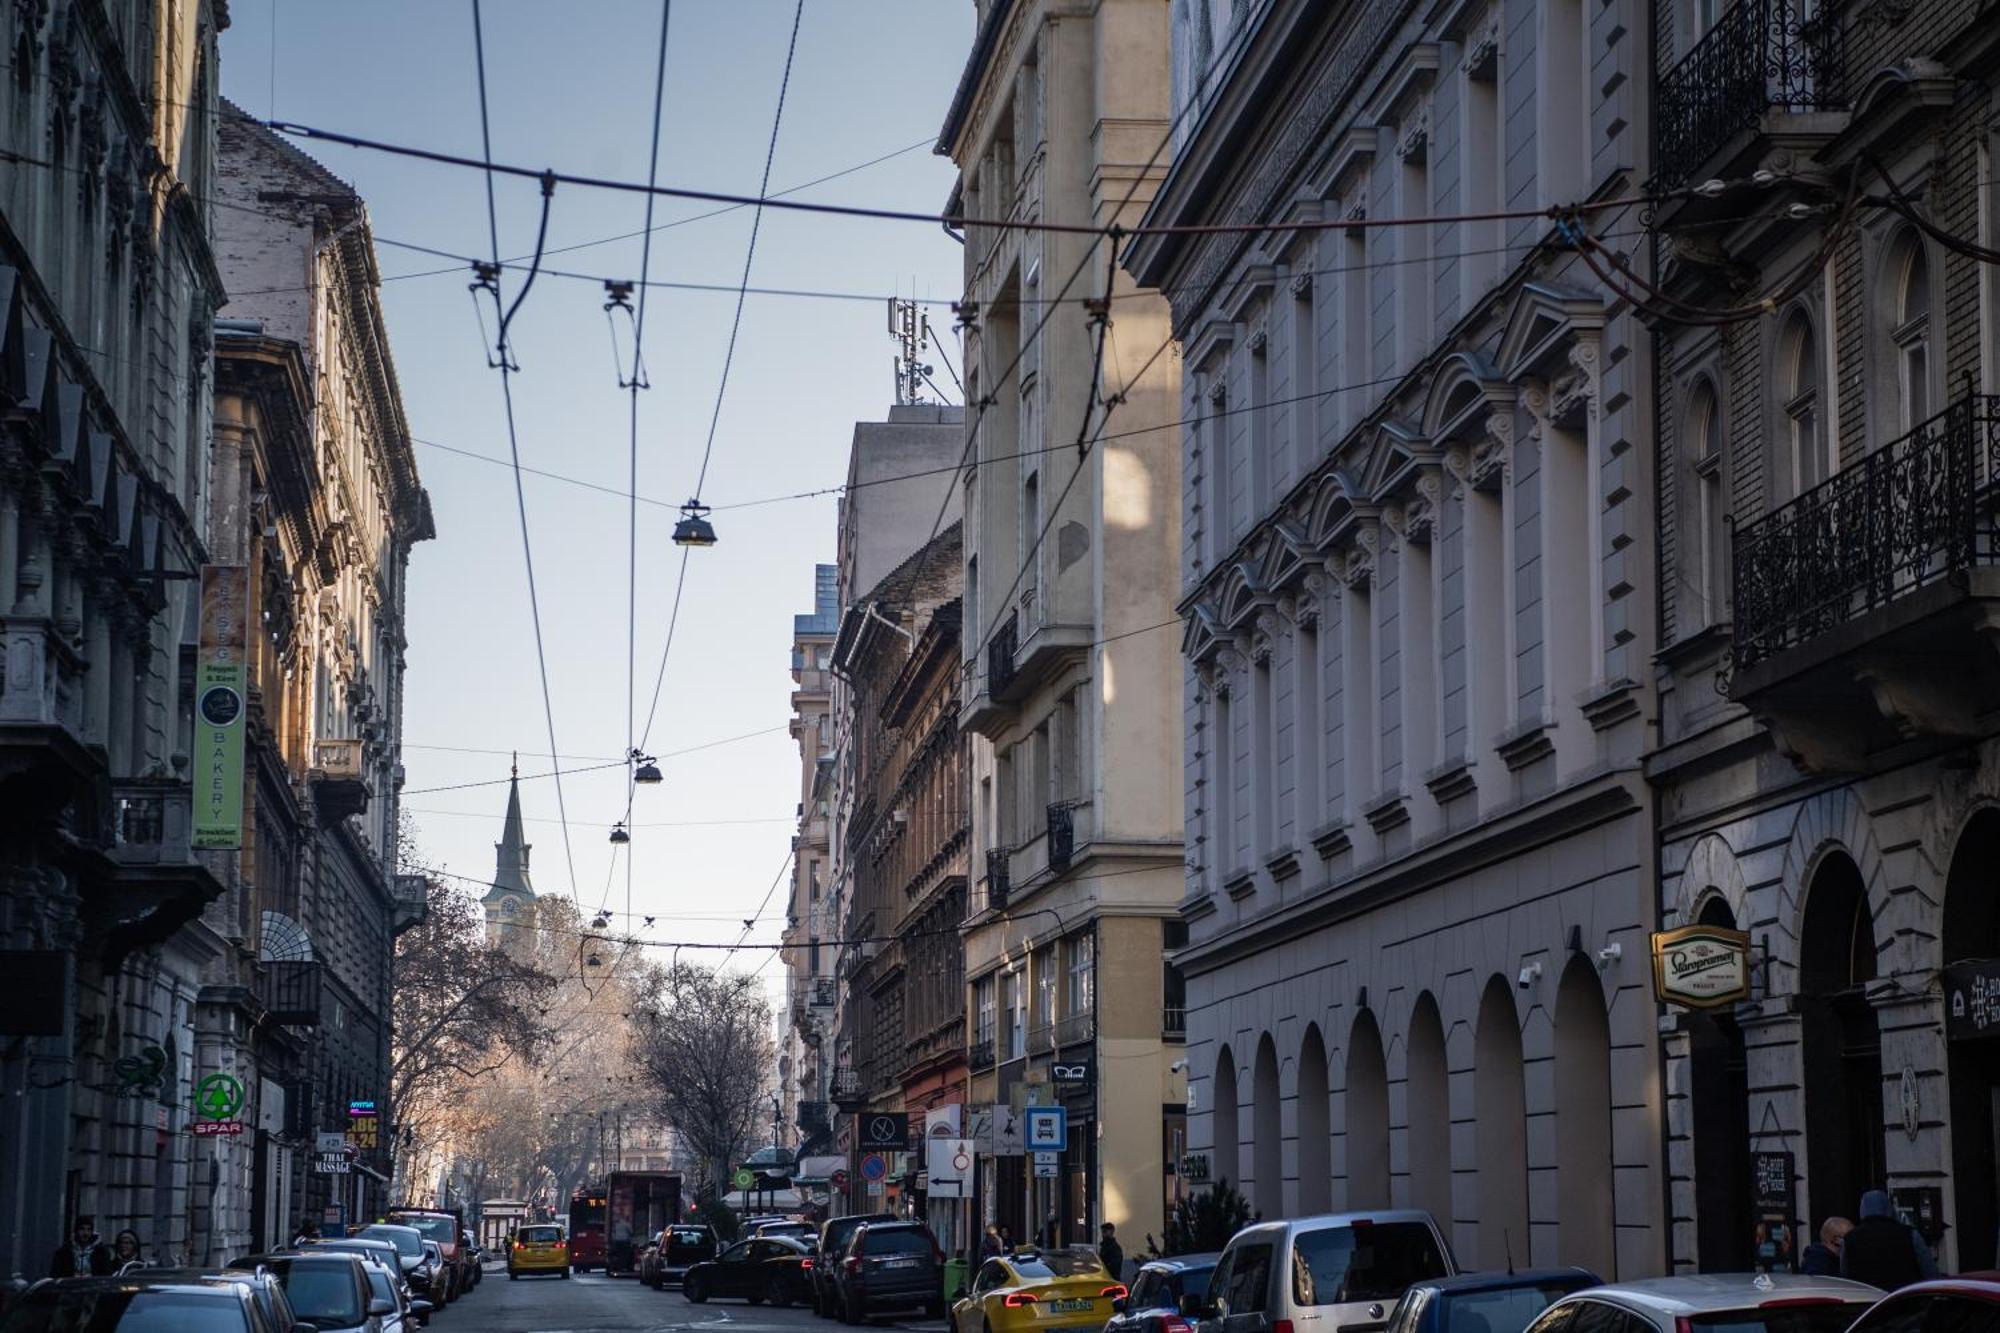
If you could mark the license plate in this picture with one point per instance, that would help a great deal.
(1071, 1306)
(899, 1263)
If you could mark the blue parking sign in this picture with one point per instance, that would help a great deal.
(1047, 1129)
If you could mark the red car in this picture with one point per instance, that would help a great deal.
(1948, 1305)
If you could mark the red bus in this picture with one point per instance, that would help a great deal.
(586, 1228)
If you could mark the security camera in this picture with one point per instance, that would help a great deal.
(1177, 1067)
(1529, 974)
(1610, 953)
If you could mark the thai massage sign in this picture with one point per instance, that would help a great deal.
(1701, 967)
(220, 687)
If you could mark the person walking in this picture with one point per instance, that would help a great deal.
(125, 1250)
(1882, 1250)
(84, 1256)
(308, 1232)
(990, 1246)
(1111, 1252)
(1822, 1257)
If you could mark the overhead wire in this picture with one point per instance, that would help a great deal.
(728, 360)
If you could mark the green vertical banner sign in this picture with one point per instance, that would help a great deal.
(220, 687)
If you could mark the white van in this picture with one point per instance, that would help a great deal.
(1334, 1273)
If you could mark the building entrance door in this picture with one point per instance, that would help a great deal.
(1972, 933)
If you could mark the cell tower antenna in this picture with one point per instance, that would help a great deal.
(911, 329)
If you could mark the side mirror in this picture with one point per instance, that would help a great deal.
(421, 1308)
(1118, 1305)
(959, 1295)
(379, 1307)
(1193, 1305)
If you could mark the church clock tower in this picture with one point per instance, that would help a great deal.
(510, 901)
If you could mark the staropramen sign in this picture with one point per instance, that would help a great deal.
(1701, 967)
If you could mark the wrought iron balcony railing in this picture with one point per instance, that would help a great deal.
(151, 821)
(813, 1116)
(1173, 1023)
(1062, 836)
(998, 864)
(1915, 511)
(290, 992)
(1000, 651)
(1074, 1028)
(1761, 55)
(845, 1085)
(981, 1054)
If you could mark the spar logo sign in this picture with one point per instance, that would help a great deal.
(1701, 967)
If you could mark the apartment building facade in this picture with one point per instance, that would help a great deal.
(1826, 761)
(1071, 531)
(1416, 575)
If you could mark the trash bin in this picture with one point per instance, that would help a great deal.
(954, 1277)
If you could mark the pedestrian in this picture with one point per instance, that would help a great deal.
(990, 1246)
(308, 1232)
(1822, 1257)
(1882, 1250)
(84, 1256)
(125, 1250)
(1006, 1239)
(1111, 1252)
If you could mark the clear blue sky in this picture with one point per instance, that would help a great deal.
(571, 87)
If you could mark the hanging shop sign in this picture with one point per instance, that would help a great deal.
(1701, 967)
(884, 1129)
(1075, 1072)
(1772, 1187)
(221, 679)
(1972, 999)
(332, 1163)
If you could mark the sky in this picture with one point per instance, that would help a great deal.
(571, 87)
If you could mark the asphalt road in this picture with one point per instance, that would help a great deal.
(593, 1303)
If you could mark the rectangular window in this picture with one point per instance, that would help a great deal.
(1045, 986)
(1081, 965)
(983, 1009)
(1013, 1006)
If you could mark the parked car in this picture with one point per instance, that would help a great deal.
(1039, 1289)
(409, 1314)
(1486, 1302)
(789, 1228)
(764, 1270)
(140, 1302)
(475, 1256)
(1950, 1305)
(834, 1234)
(1343, 1270)
(675, 1250)
(1711, 1303)
(327, 1290)
(423, 1272)
(376, 1253)
(265, 1289)
(892, 1266)
(542, 1248)
(1154, 1303)
(443, 1228)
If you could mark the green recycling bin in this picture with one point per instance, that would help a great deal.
(954, 1278)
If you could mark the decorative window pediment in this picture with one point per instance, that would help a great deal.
(1465, 389)
(1545, 319)
(1392, 459)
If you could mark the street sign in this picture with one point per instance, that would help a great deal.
(1972, 998)
(1046, 1165)
(212, 1128)
(218, 1097)
(949, 1164)
(744, 1178)
(874, 1189)
(1046, 1128)
(1701, 967)
(838, 1180)
(330, 1141)
(884, 1129)
(874, 1166)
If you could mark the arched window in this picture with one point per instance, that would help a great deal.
(1367, 1106)
(1227, 1165)
(1706, 587)
(1315, 1132)
(1912, 332)
(1798, 378)
(1586, 1222)
(1267, 1174)
(1427, 1095)
(1500, 1132)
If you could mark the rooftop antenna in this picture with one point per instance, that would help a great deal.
(911, 329)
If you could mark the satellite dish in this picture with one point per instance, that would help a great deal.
(284, 941)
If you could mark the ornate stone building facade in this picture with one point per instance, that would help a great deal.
(108, 287)
(809, 924)
(1827, 763)
(1416, 553)
(1070, 670)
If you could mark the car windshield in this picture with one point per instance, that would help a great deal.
(1367, 1261)
(320, 1293)
(1497, 1310)
(126, 1311)
(1781, 1317)
(540, 1235)
(903, 1240)
(688, 1236)
(1059, 1263)
(408, 1243)
(440, 1229)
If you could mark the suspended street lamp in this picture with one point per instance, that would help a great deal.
(648, 772)
(619, 837)
(694, 529)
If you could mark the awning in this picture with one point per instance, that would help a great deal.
(818, 1170)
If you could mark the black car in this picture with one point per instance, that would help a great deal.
(328, 1290)
(764, 1270)
(834, 1234)
(890, 1266)
(142, 1303)
(1156, 1294)
(264, 1287)
(675, 1250)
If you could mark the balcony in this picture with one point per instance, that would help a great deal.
(1173, 1023)
(1862, 607)
(981, 1056)
(1075, 1029)
(1062, 836)
(413, 901)
(338, 785)
(846, 1088)
(998, 885)
(1000, 650)
(814, 1116)
(148, 883)
(290, 992)
(1762, 56)
(1041, 1038)
(825, 993)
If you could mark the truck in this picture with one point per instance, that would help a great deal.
(638, 1205)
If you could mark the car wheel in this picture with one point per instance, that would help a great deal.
(778, 1294)
(694, 1290)
(853, 1311)
(934, 1310)
(512, 1276)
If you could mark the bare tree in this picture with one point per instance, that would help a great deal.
(704, 1042)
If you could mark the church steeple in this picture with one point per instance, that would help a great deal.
(511, 896)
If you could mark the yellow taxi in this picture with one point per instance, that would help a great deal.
(538, 1249)
(1032, 1290)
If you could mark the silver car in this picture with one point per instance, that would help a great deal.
(1334, 1273)
(1712, 1303)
